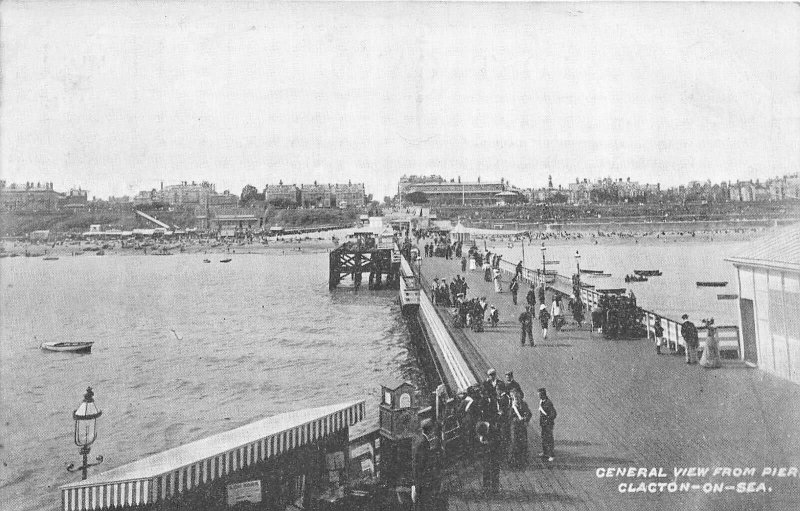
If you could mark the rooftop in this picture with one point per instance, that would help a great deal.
(780, 249)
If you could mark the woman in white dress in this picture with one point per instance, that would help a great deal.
(497, 281)
(710, 358)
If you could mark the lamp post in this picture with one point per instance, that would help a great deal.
(85, 431)
(544, 263)
(578, 264)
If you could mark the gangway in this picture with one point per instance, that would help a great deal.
(154, 220)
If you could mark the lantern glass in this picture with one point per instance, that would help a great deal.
(86, 420)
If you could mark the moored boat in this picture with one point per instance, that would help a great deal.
(592, 272)
(647, 273)
(225, 260)
(635, 278)
(75, 347)
(206, 260)
(50, 258)
(712, 284)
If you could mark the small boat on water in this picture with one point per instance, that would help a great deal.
(225, 260)
(592, 272)
(635, 278)
(206, 260)
(599, 275)
(75, 347)
(711, 284)
(50, 258)
(647, 273)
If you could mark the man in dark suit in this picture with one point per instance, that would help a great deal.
(426, 491)
(492, 389)
(689, 334)
(547, 418)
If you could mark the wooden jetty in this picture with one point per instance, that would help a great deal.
(353, 260)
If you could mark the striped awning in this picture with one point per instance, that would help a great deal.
(182, 468)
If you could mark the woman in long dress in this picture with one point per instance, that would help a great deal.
(497, 281)
(518, 441)
(710, 358)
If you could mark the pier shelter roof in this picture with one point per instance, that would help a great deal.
(171, 472)
(780, 249)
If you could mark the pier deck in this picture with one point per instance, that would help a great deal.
(621, 405)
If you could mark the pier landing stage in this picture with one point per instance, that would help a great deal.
(620, 406)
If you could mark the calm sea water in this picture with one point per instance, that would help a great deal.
(683, 263)
(182, 350)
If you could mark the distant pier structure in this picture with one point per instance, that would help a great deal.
(369, 253)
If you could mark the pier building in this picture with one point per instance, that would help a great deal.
(768, 275)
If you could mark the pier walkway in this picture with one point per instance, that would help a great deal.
(620, 405)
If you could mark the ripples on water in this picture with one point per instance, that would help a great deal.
(182, 350)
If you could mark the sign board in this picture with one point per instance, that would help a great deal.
(552, 262)
(248, 491)
(727, 297)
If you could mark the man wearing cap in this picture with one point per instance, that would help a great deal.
(427, 471)
(689, 334)
(544, 319)
(547, 418)
(492, 388)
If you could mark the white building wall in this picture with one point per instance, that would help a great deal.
(776, 304)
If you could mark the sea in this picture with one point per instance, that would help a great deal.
(183, 349)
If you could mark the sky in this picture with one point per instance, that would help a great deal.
(117, 97)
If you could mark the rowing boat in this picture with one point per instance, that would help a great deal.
(75, 347)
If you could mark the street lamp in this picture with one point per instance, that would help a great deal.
(578, 264)
(85, 431)
(544, 263)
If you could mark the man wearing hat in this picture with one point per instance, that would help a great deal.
(493, 388)
(689, 334)
(547, 418)
(427, 470)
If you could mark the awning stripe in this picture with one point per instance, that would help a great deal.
(151, 489)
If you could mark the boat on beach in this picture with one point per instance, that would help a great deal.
(75, 347)
(711, 284)
(225, 260)
(647, 273)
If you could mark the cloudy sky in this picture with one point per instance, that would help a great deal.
(119, 96)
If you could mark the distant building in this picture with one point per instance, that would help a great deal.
(75, 199)
(186, 193)
(349, 195)
(440, 192)
(768, 275)
(235, 221)
(282, 194)
(316, 195)
(28, 197)
(225, 199)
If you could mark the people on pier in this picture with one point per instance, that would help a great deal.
(494, 316)
(427, 470)
(518, 271)
(530, 298)
(577, 307)
(498, 281)
(547, 418)
(514, 288)
(658, 333)
(520, 415)
(493, 388)
(489, 446)
(710, 358)
(544, 319)
(526, 326)
(463, 264)
(689, 333)
(556, 313)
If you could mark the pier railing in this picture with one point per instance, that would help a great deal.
(728, 335)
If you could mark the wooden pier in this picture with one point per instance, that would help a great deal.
(354, 260)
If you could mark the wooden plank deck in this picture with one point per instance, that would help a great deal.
(621, 405)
